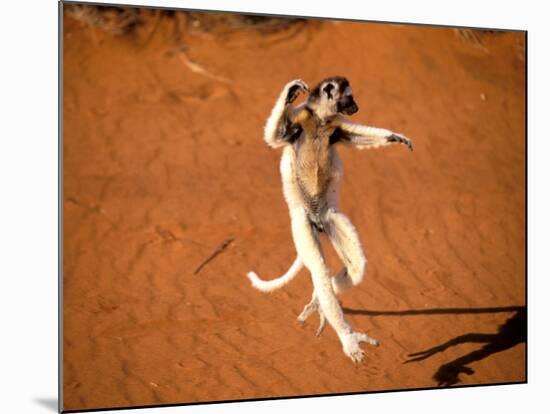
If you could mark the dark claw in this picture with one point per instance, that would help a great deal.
(394, 138)
(401, 140)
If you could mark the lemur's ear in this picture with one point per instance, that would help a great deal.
(327, 89)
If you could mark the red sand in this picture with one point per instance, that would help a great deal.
(162, 164)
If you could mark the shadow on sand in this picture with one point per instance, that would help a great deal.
(509, 334)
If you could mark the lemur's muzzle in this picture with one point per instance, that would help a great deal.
(351, 109)
(347, 105)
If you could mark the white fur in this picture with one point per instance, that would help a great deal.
(338, 227)
(270, 285)
(344, 238)
(365, 137)
(270, 129)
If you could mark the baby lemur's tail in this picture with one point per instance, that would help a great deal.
(269, 285)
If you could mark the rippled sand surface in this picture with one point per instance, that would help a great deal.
(164, 161)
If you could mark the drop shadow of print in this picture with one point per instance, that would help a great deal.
(511, 333)
(50, 403)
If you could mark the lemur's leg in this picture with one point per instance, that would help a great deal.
(332, 203)
(279, 128)
(313, 306)
(346, 242)
(308, 246)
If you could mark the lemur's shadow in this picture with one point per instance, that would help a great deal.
(510, 334)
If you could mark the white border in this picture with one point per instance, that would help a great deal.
(28, 171)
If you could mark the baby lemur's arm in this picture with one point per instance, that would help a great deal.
(280, 129)
(362, 136)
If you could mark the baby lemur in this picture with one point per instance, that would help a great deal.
(311, 171)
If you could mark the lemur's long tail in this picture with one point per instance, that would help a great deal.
(269, 285)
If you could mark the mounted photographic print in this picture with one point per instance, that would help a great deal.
(258, 207)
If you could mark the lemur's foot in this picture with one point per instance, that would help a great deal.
(350, 345)
(308, 310)
(294, 88)
(401, 139)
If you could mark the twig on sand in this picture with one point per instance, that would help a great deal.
(198, 69)
(216, 252)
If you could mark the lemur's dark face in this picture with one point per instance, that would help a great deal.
(334, 95)
(346, 104)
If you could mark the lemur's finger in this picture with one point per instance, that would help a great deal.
(401, 139)
(361, 337)
(322, 323)
(304, 86)
(301, 84)
(294, 88)
(407, 142)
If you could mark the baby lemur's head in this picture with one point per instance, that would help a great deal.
(331, 96)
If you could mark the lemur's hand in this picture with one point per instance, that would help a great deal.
(294, 88)
(401, 139)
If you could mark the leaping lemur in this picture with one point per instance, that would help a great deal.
(311, 171)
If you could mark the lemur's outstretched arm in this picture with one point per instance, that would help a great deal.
(362, 136)
(279, 128)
